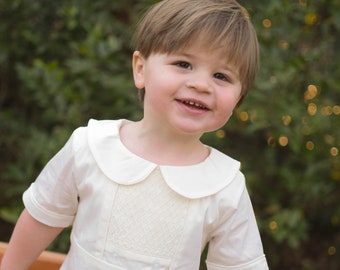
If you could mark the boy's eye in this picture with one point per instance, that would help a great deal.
(221, 76)
(183, 64)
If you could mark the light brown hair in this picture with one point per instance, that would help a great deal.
(171, 25)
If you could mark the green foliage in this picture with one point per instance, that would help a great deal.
(60, 66)
(290, 120)
(63, 62)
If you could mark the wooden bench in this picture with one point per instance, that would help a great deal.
(47, 260)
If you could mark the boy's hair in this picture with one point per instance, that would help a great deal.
(171, 25)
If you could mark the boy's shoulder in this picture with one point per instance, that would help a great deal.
(97, 130)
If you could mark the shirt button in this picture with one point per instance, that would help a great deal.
(156, 266)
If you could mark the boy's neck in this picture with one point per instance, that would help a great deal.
(161, 147)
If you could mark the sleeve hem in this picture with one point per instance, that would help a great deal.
(260, 263)
(43, 215)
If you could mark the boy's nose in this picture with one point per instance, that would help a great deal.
(199, 83)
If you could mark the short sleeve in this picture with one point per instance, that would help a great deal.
(236, 243)
(53, 198)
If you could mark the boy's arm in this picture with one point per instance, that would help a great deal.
(29, 239)
(236, 243)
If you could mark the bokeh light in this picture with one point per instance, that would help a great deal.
(283, 141)
(267, 23)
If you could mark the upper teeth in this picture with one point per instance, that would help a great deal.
(195, 104)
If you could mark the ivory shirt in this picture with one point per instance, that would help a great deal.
(129, 213)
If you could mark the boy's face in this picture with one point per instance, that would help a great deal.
(191, 92)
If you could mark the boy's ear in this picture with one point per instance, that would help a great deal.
(138, 69)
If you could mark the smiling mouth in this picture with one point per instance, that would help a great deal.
(195, 105)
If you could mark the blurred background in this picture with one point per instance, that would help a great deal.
(64, 62)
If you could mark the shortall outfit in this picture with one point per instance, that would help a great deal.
(128, 213)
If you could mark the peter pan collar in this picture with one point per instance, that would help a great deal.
(125, 168)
